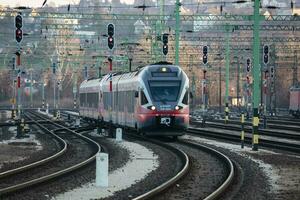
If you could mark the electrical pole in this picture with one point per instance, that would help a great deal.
(295, 71)
(178, 4)
(256, 75)
(238, 83)
(75, 91)
(43, 93)
(54, 88)
(220, 90)
(31, 104)
(227, 27)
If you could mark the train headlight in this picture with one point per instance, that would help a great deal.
(151, 107)
(178, 107)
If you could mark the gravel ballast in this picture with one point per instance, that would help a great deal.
(266, 174)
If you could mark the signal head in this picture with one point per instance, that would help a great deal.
(204, 59)
(110, 30)
(165, 49)
(205, 50)
(248, 62)
(165, 38)
(110, 42)
(19, 35)
(266, 49)
(18, 21)
(266, 59)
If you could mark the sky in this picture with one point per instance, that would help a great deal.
(39, 3)
(35, 3)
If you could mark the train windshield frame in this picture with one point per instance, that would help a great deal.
(164, 91)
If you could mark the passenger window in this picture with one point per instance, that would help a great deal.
(143, 98)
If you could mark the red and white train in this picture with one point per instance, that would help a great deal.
(153, 100)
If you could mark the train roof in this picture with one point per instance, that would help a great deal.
(91, 84)
(295, 88)
(96, 82)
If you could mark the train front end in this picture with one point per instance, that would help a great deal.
(164, 108)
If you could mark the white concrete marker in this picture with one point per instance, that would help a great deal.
(118, 134)
(77, 122)
(102, 170)
(103, 132)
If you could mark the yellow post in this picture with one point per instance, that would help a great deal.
(242, 131)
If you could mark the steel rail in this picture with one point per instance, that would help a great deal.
(55, 174)
(295, 148)
(222, 188)
(40, 162)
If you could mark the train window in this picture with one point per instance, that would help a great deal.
(143, 98)
(121, 101)
(164, 90)
(106, 100)
(164, 74)
(185, 98)
(81, 99)
(136, 94)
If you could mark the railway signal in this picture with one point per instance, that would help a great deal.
(165, 43)
(165, 49)
(110, 33)
(18, 25)
(248, 67)
(53, 68)
(272, 72)
(205, 51)
(266, 54)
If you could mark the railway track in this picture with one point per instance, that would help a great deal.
(159, 190)
(282, 133)
(279, 145)
(271, 121)
(220, 168)
(168, 187)
(53, 167)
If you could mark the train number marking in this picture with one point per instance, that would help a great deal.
(165, 120)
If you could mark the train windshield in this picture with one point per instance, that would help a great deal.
(164, 90)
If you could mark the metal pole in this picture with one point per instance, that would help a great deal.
(19, 82)
(220, 90)
(265, 97)
(242, 130)
(238, 83)
(19, 129)
(31, 104)
(295, 71)
(130, 60)
(111, 97)
(43, 93)
(54, 89)
(75, 91)
(58, 93)
(177, 32)
(227, 75)
(256, 75)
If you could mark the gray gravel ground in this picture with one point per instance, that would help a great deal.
(206, 174)
(287, 185)
(252, 183)
(170, 166)
(73, 180)
(49, 147)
